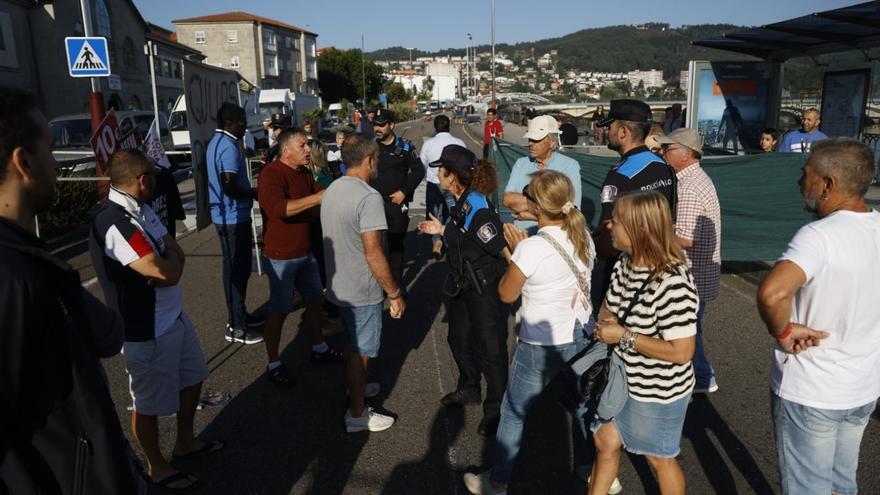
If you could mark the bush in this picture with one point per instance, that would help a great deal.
(72, 205)
(403, 111)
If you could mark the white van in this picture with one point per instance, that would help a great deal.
(180, 131)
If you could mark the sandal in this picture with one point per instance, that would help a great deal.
(281, 378)
(208, 447)
(178, 476)
(213, 398)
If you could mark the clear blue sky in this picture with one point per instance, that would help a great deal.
(433, 25)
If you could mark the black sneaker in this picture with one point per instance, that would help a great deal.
(459, 398)
(243, 336)
(254, 320)
(331, 355)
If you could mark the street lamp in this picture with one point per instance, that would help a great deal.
(469, 53)
(493, 54)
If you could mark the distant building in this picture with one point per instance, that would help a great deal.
(32, 54)
(649, 78)
(268, 53)
(168, 62)
(683, 80)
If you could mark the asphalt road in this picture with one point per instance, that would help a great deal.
(294, 442)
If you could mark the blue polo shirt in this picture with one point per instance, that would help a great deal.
(525, 166)
(224, 155)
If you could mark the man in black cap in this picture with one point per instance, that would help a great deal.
(365, 126)
(400, 172)
(628, 123)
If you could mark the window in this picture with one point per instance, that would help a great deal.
(296, 43)
(232, 36)
(299, 67)
(271, 65)
(200, 36)
(102, 19)
(313, 69)
(128, 54)
(8, 57)
(178, 70)
(235, 63)
(167, 70)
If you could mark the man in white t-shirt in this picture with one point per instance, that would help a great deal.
(820, 303)
(437, 202)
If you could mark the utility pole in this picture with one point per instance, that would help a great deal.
(363, 71)
(96, 99)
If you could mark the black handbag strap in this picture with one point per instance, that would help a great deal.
(632, 304)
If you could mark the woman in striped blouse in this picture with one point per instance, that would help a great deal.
(650, 314)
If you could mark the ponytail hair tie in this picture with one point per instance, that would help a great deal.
(566, 208)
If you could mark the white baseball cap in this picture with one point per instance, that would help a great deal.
(540, 126)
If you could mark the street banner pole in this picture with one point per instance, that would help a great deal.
(151, 51)
(96, 99)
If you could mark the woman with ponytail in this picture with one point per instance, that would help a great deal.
(551, 271)
(474, 238)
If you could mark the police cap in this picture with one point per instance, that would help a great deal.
(631, 110)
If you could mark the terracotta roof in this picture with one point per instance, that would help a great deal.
(238, 16)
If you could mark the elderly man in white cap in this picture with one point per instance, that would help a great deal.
(698, 230)
(543, 139)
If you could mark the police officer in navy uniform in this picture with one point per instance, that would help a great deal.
(474, 238)
(628, 123)
(400, 172)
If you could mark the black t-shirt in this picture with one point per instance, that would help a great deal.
(569, 134)
(475, 233)
(640, 170)
(166, 201)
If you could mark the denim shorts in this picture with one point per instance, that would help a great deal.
(363, 325)
(286, 275)
(650, 428)
(159, 369)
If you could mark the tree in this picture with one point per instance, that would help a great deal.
(395, 92)
(427, 92)
(340, 76)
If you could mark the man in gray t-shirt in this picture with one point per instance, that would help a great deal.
(353, 221)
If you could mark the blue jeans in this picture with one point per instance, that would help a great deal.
(235, 242)
(818, 449)
(438, 203)
(286, 275)
(532, 368)
(703, 370)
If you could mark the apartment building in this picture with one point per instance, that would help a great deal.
(269, 53)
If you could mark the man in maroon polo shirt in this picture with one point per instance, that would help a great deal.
(288, 196)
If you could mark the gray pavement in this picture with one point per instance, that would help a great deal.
(294, 442)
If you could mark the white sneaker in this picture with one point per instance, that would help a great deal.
(616, 487)
(479, 484)
(370, 391)
(369, 420)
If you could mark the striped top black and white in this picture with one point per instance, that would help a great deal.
(666, 309)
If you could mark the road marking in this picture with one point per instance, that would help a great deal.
(467, 132)
(747, 297)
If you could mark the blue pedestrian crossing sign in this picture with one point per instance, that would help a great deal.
(87, 57)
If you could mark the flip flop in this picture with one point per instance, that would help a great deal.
(178, 476)
(213, 398)
(209, 447)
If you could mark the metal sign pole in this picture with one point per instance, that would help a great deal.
(96, 99)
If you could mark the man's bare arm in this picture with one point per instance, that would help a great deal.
(377, 261)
